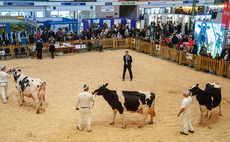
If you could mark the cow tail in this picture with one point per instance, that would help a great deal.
(152, 99)
(154, 112)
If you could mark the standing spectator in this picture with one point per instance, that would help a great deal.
(84, 100)
(126, 32)
(45, 37)
(98, 44)
(52, 47)
(16, 42)
(1, 40)
(209, 55)
(185, 39)
(175, 41)
(157, 36)
(58, 35)
(38, 35)
(4, 83)
(119, 36)
(31, 38)
(179, 28)
(82, 35)
(23, 34)
(39, 47)
(51, 33)
(6, 38)
(186, 28)
(185, 109)
(224, 50)
(15, 35)
(74, 36)
(88, 34)
(127, 65)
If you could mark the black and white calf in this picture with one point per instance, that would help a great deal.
(133, 101)
(208, 98)
(30, 87)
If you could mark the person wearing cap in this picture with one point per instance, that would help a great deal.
(84, 99)
(185, 109)
(3, 83)
(39, 47)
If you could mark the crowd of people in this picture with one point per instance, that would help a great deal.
(167, 34)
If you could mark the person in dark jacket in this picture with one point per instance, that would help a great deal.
(39, 47)
(51, 33)
(175, 41)
(186, 29)
(52, 47)
(45, 37)
(127, 65)
(224, 50)
(193, 50)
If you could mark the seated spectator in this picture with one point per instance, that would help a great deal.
(218, 56)
(82, 35)
(16, 42)
(119, 36)
(209, 55)
(69, 38)
(98, 45)
(203, 52)
(30, 39)
(186, 48)
(181, 47)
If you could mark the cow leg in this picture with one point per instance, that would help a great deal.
(35, 97)
(20, 98)
(151, 118)
(123, 121)
(145, 114)
(202, 110)
(38, 105)
(220, 109)
(114, 116)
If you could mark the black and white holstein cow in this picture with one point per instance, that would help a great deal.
(208, 98)
(30, 87)
(133, 101)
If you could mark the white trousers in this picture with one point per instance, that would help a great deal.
(85, 112)
(4, 88)
(187, 123)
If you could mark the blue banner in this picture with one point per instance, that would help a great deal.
(19, 3)
(190, 1)
(108, 3)
(157, 2)
(73, 3)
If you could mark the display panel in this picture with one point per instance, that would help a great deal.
(211, 35)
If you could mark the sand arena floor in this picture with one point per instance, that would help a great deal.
(65, 76)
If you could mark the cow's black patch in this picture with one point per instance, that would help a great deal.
(24, 83)
(38, 86)
(16, 76)
(32, 80)
(132, 100)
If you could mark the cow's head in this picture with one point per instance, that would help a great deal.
(194, 89)
(101, 90)
(15, 70)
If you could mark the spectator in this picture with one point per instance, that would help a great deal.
(58, 35)
(193, 50)
(51, 33)
(74, 36)
(226, 56)
(38, 35)
(45, 37)
(157, 36)
(82, 35)
(6, 38)
(15, 35)
(175, 41)
(209, 55)
(31, 38)
(203, 52)
(16, 42)
(23, 34)
(218, 56)
(119, 36)
(39, 47)
(52, 47)
(224, 50)
(98, 45)
(186, 28)
(88, 34)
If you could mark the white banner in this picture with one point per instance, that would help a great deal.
(107, 9)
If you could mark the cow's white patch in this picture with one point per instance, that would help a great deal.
(121, 98)
(215, 85)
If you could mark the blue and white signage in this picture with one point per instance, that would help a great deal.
(79, 20)
(156, 2)
(108, 3)
(19, 3)
(107, 9)
(73, 3)
(190, 1)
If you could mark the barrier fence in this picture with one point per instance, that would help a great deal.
(199, 62)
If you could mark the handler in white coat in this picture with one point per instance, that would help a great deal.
(3, 83)
(185, 109)
(84, 99)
